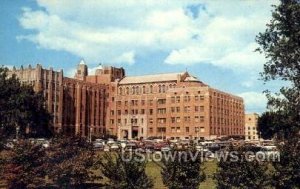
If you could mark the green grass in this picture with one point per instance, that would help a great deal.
(153, 171)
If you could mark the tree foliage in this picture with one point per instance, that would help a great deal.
(280, 43)
(24, 166)
(21, 107)
(239, 171)
(125, 171)
(184, 171)
(70, 162)
(286, 173)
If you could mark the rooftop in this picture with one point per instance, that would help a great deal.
(151, 78)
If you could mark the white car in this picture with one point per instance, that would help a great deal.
(106, 149)
(165, 149)
(114, 146)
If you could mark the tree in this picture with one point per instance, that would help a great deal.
(125, 171)
(286, 173)
(183, 171)
(70, 162)
(280, 43)
(239, 171)
(24, 166)
(21, 109)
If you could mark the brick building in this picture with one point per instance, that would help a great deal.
(251, 131)
(172, 105)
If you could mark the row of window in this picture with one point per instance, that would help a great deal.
(178, 129)
(186, 109)
(159, 101)
(144, 89)
(197, 119)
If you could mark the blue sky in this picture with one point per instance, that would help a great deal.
(213, 40)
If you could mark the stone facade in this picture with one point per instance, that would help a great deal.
(251, 131)
(175, 105)
(77, 107)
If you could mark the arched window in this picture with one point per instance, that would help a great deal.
(144, 89)
(133, 90)
(159, 88)
(120, 91)
(151, 89)
(127, 90)
(137, 90)
(163, 89)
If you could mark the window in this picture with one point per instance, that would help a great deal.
(161, 101)
(120, 91)
(151, 121)
(163, 89)
(177, 119)
(187, 129)
(201, 119)
(150, 130)
(187, 109)
(161, 120)
(161, 129)
(142, 111)
(112, 121)
(144, 89)
(127, 90)
(187, 98)
(119, 103)
(201, 108)
(201, 97)
(177, 99)
(161, 110)
(196, 108)
(196, 119)
(196, 98)
(173, 119)
(150, 111)
(178, 129)
(151, 89)
(177, 109)
(119, 112)
(187, 118)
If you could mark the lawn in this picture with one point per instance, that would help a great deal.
(153, 170)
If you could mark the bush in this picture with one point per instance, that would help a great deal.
(125, 174)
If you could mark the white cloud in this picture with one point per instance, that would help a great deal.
(118, 31)
(254, 101)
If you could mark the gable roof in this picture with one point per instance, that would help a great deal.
(151, 78)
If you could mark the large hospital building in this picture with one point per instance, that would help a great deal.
(170, 105)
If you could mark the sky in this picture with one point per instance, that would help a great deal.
(212, 40)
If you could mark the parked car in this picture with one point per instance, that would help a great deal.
(165, 149)
(114, 146)
(41, 141)
(98, 145)
(106, 148)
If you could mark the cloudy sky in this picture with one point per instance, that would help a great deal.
(213, 40)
